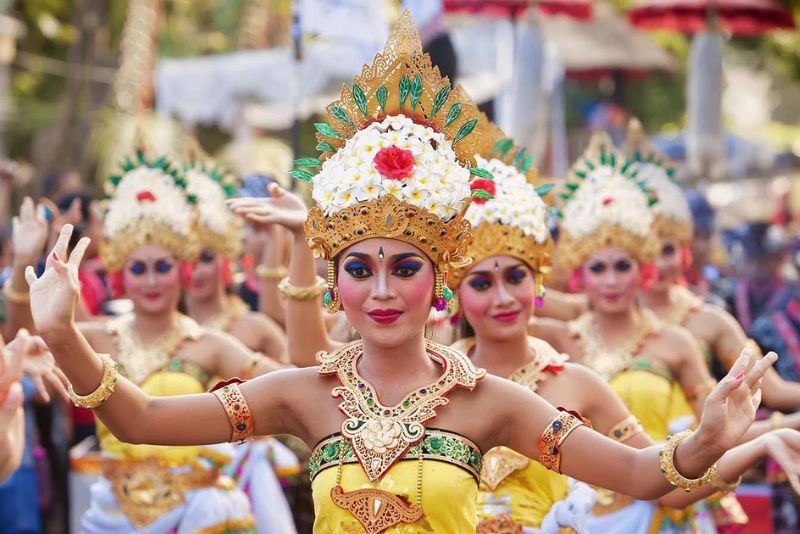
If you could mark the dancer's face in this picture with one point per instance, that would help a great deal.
(206, 275)
(151, 279)
(611, 279)
(669, 263)
(496, 297)
(386, 287)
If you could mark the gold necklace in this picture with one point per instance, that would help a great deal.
(380, 435)
(605, 360)
(233, 309)
(139, 359)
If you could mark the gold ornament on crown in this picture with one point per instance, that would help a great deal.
(640, 149)
(400, 81)
(573, 251)
(495, 239)
(227, 241)
(127, 226)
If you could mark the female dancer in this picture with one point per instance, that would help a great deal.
(376, 464)
(511, 254)
(207, 298)
(148, 230)
(720, 336)
(607, 242)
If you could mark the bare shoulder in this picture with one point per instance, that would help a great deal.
(97, 335)
(552, 331)
(259, 321)
(717, 317)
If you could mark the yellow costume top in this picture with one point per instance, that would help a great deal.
(449, 466)
(157, 373)
(512, 484)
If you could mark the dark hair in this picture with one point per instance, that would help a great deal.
(65, 201)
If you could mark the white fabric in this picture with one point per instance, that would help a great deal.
(270, 508)
(635, 518)
(203, 508)
(571, 512)
(359, 22)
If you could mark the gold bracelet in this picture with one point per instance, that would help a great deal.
(626, 429)
(776, 420)
(271, 273)
(713, 479)
(667, 464)
(553, 435)
(237, 409)
(302, 293)
(99, 396)
(15, 297)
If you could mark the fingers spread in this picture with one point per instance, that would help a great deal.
(756, 372)
(60, 248)
(78, 252)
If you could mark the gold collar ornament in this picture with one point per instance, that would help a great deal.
(137, 359)
(606, 360)
(380, 435)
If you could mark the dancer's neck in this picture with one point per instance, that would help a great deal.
(394, 371)
(501, 356)
(151, 326)
(614, 327)
(203, 310)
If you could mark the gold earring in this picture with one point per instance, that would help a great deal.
(441, 293)
(331, 299)
(539, 291)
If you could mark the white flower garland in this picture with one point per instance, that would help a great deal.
(607, 198)
(672, 203)
(515, 203)
(170, 206)
(438, 183)
(212, 211)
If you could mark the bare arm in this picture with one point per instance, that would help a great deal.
(562, 306)
(305, 325)
(234, 358)
(593, 458)
(729, 340)
(273, 257)
(12, 430)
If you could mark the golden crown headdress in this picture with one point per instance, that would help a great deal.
(673, 217)
(210, 185)
(147, 203)
(605, 204)
(515, 221)
(396, 162)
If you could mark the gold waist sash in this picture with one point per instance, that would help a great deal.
(147, 489)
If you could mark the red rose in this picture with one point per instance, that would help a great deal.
(146, 196)
(394, 163)
(482, 184)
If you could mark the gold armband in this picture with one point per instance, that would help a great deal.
(302, 293)
(15, 297)
(667, 464)
(701, 391)
(100, 395)
(271, 273)
(239, 414)
(713, 479)
(247, 371)
(554, 435)
(625, 429)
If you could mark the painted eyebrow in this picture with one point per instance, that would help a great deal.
(395, 258)
(488, 273)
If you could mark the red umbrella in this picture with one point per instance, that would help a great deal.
(579, 9)
(738, 17)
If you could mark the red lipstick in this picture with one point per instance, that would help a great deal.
(506, 317)
(385, 316)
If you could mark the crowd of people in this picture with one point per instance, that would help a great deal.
(443, 343)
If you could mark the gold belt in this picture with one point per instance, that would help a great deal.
(502, 524)
(147, 489)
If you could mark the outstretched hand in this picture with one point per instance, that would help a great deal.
(30, 356)
(783, 446)
(29, 230)
(283, 208)
(731, 407)
(54, 294)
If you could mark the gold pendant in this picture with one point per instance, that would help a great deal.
(498, 464)
(375, 509)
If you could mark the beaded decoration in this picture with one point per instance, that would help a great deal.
(553, 436)
(238, 410)
(625, 429)
(380, 435)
